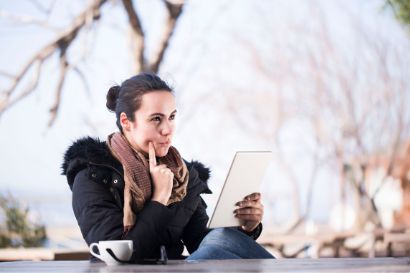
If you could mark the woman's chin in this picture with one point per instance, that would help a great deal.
(161, 152)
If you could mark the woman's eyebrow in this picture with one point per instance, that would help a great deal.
(160, 114)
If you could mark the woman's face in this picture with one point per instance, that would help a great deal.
(154, 122)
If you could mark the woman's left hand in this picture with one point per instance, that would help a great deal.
(250, 210)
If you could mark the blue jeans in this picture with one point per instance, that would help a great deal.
(229, 243)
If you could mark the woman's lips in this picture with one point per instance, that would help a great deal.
(166, 144)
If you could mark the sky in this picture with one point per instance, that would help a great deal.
(210, 63)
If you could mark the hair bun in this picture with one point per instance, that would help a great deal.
(112, 97)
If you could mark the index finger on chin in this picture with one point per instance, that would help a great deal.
(152, 160)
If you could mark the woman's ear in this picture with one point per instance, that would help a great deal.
(125, 122)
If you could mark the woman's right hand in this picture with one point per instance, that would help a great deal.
(162, 178)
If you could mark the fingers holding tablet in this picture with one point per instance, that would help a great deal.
(252, 200)
(254, 196)
(250, 210)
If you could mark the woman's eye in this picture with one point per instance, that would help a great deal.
(159, 119)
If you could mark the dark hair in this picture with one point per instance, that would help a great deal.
(127, 97)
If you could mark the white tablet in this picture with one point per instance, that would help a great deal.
(244, 177)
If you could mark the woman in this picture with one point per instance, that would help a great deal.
(136, 186)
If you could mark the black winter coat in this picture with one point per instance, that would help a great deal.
(96, 179)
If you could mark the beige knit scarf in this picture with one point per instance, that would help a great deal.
(138, 184)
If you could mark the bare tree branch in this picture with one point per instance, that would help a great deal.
(38, 58)
(37, 63)
(5, 74)
(82, 55)
(62, 42)
(50, 7)
(136, 37)
(63, 72)
(290, 174)
(25, 19)
(88, 21)
(308, 206)
(38, 5)
(83, 79)
(174, 10)
(89, 16)
(393, 156)
(66, 36)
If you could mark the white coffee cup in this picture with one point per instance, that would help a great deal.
(122, 249)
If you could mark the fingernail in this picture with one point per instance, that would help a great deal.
(240, 204)
(247, 198)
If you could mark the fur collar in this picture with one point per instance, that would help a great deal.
(88, 149)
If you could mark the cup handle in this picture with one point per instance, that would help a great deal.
(93, 253)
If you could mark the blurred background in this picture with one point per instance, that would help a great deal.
(323, 84)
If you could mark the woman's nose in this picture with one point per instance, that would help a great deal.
(167, 128)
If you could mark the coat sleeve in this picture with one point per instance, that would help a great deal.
(196, 230)
(101, 219)
(254, 234)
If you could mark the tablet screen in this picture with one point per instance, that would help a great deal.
(244, 177)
